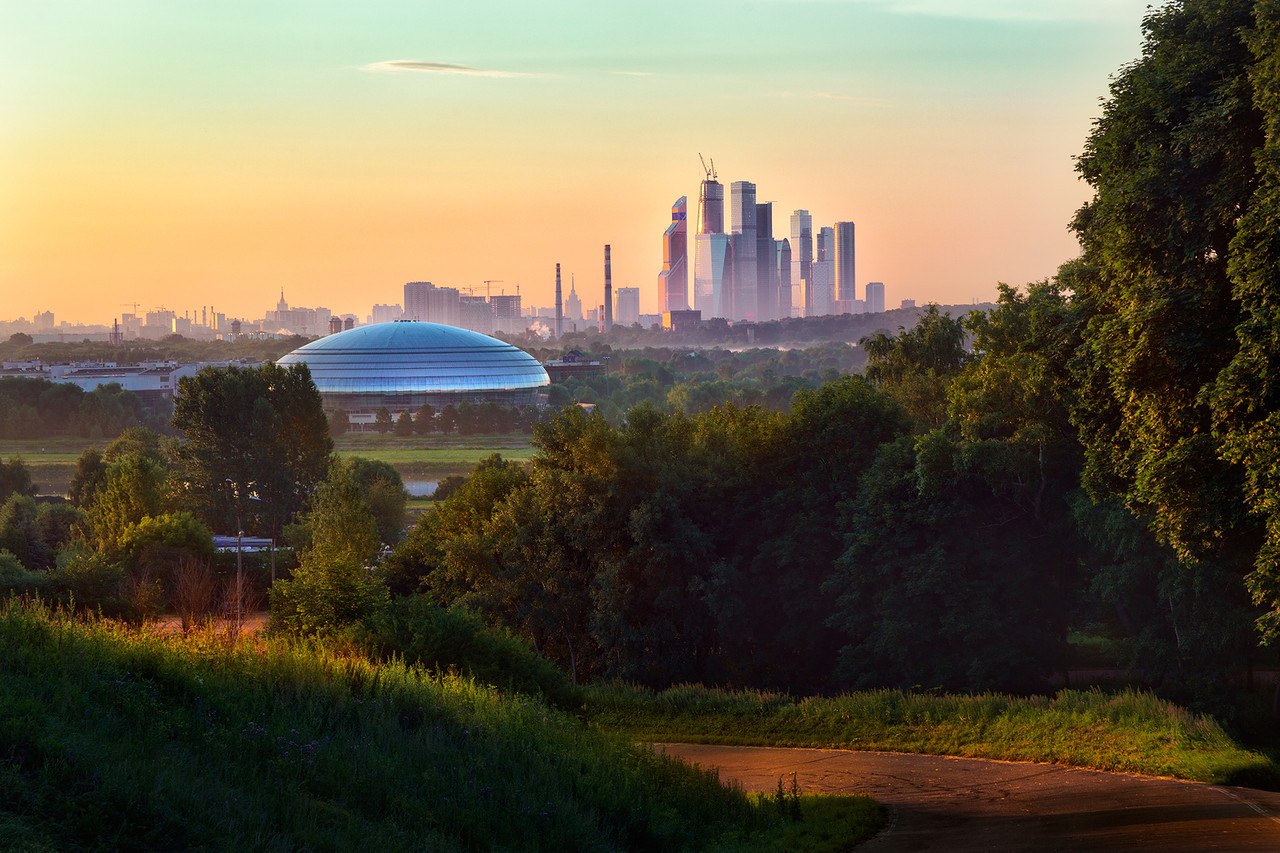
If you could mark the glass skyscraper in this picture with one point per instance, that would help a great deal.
(712, 262)
(801, 258)
(742, 211)
(673, 281)
(846, 282)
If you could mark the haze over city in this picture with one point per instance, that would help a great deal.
(173, 154)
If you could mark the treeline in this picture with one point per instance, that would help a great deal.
(19, 347)
(466, 418)
(35, 408)
(924, 526)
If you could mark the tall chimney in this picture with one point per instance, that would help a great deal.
(559, 307)
(608, 290)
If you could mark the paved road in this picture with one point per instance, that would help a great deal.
(968, 804)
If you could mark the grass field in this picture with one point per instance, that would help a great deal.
(52, 461)
(1127, 731)
(114, 739)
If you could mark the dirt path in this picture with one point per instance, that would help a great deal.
(966, 804)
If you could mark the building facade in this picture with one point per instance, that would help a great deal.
(673, 281)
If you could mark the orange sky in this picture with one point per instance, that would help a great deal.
(176, 154)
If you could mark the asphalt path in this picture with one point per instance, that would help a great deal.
(969, 804)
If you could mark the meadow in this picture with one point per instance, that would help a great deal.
(52, 461)
(115, 738)
(1127, 731)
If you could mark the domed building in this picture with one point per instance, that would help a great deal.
(405, 364)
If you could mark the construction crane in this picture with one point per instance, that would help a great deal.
(489, 281)
(711, 171)
(134, 304)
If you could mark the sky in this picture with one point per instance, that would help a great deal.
(182, 154)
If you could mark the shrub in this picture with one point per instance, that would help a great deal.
(452, 639)
(325, 594)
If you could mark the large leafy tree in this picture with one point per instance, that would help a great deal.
(255, 444)
(1245, 398)
(1172, 164)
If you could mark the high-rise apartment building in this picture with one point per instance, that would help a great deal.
(424, 301)
(846, 283)
(742, 219)
(628, 308)
(875, 297)
(673, 281)
(801, 257)
(712, 261)
(385, 313)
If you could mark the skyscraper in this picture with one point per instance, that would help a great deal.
(766, 264)
(606, 323)
(846, 287)
(673, 281)
(712, 262)
(783, 267)
(821, 291)
(875, 297)
(742, 211)
(801, 257)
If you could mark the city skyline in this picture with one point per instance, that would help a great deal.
(165, 154)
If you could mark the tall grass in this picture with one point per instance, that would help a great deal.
(121, 740)
(1127, 731)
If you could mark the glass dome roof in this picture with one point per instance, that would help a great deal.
(414, 357)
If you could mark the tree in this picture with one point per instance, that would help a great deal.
(87, 478)
(385, 494)
(132, 489)
(334, 584)
(20, 532)
(339, 423)
(424, 421)
(382, 421)
(404, 424)
(915, 365)
(255, 445)
(15, 478)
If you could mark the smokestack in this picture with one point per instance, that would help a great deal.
(559, 307)
(608, 290)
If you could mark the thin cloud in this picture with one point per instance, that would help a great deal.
(1018, 10)
(633, 73)
(419, 66)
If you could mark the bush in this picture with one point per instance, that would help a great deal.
(90, 581)
(14, 577)
(326, 594)
(452, 639)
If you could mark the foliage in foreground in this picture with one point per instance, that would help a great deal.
(1130, 731)
(128, 741)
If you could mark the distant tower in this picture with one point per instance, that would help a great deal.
(335, 325)
(559, 307)
(348, 323)
(282, 305)
(573, 305)
(607, 322)
(673, 281)
(712, 260)
(846, 290)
